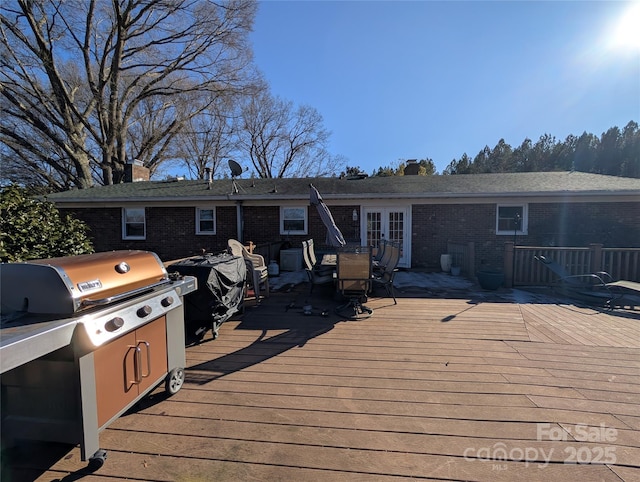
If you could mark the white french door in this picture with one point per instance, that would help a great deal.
(392, 224)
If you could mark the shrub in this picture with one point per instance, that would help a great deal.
(32, 229)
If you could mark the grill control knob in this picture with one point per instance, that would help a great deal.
(168, 301)
(114, 324)
(144, 311)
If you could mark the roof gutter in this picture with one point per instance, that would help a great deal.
(271, 197)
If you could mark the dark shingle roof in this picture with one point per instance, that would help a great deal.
(410, 187)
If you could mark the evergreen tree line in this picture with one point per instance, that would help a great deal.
(615, 153)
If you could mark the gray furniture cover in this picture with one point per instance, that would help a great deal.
(220, 294)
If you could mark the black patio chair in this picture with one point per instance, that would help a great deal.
(317, 274)
(386, 274)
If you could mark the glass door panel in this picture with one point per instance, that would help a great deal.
(374, 228)
(390, 224)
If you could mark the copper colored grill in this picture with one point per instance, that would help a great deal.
(69, 285)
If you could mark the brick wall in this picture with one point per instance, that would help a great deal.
(171, 230)
(435, 225)
(579, 224)
(550, 224)
(262, 224)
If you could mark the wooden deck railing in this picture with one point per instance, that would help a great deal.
(522, 269)
(622, 263)
(520, 266)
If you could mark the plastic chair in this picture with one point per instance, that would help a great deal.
(255, 266)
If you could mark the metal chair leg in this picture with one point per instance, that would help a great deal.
(391, 292)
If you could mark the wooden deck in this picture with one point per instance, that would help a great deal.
(465, 388)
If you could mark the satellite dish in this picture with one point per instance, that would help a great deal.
(236, 169)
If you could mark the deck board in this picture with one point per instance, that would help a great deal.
(424, 390)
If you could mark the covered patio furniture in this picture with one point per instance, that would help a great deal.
(353, 274)
(220, 294)
(387, 273)
(317, 274)
(256, 267)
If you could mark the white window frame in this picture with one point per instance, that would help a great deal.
(125, 223)
(524, 221)
(298, 210)
(199, 229)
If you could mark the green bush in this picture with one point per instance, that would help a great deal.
(34, 229)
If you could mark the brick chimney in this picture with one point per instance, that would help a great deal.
(412, 168)
(134, 171)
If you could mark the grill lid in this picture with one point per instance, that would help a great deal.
(75, 283)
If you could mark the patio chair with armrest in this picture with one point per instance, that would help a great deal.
(391, 251)
(386, 276)
(353, 274)
(591, 287)
(317, 275)
(256, 267)
(378, 265)
(313, 260)
(382, 244)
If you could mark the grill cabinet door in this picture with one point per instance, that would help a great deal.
(127, 366)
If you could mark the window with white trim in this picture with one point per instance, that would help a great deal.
(511, 219)
(133, 223)
(205, 221)
(293, 220)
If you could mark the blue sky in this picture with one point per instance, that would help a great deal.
(424, 79)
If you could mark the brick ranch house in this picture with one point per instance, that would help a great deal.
(180, 218)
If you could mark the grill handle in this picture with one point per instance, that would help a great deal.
(137, 369)
(121, 296)
(146, 343)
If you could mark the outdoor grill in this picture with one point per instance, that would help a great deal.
(82, 339)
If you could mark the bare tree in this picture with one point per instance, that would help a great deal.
(208, 140)
(285, 142)
(87, 85)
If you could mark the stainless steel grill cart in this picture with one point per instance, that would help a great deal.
(82, 339)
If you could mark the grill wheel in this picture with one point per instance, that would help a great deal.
(173, 382)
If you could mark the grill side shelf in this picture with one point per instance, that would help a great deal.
(25, 343)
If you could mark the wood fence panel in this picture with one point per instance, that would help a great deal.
(620, 263)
